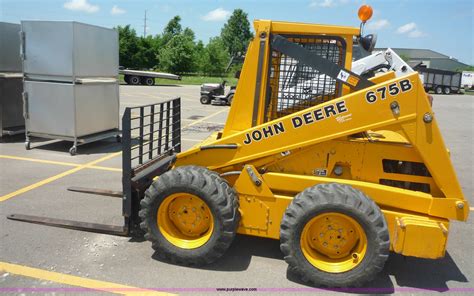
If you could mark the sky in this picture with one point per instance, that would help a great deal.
(441, 25)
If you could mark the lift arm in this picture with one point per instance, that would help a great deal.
(387, 59)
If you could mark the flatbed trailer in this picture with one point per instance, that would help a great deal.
(136, 77)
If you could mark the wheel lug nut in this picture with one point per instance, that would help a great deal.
(321, 234)
(325, 244)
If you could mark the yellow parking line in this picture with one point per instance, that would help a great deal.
(72, 280)
(40, 160)
(97, 167)
(56, 177)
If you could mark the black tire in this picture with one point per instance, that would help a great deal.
(205, 100)
(219, 196)
(134, 80)
(439, 90)
(126, 78)
(342, 199)
(150, 81)
(229, 99)
(447, 90)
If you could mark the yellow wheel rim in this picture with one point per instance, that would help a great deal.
(185, 220)
(333, 242)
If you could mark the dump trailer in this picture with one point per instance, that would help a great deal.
(136, 77)
(339, 168)
(440, 81)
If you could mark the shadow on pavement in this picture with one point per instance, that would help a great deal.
(108, 145)
(410, 274)
(424, 273)
(239, 255)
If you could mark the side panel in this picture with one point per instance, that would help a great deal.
(48, 48)
(95, 51)
(97, 107)
(10, 48)
(51, 108)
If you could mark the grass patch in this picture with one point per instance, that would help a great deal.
(193, 80)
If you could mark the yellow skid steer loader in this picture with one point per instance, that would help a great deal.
(340, 168)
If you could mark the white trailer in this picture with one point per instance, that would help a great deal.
(467, 79)
(136, 77)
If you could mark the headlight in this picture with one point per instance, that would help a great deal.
(368, 42)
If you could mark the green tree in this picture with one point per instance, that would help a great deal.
(146, 56)
(128, 46)
(173, 28)
(236, 32)
(190, 33)
(199, 56)
(215, 57)
(177, 56)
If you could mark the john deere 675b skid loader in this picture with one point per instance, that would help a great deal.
(341, 169)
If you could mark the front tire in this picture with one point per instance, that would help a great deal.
(190, 215)
(205, 100)
(439, 90)
(334, 235)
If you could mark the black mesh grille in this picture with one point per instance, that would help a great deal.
(294, 86)
(151, 131)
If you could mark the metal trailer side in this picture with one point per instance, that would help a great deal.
(435, 80)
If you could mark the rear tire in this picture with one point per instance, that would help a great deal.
(447, 90)
(150, 81)
(168, 209)
(350, 226)
(134, 80)
(439, 90)
(205, 100)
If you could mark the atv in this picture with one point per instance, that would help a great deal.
(214, 93)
